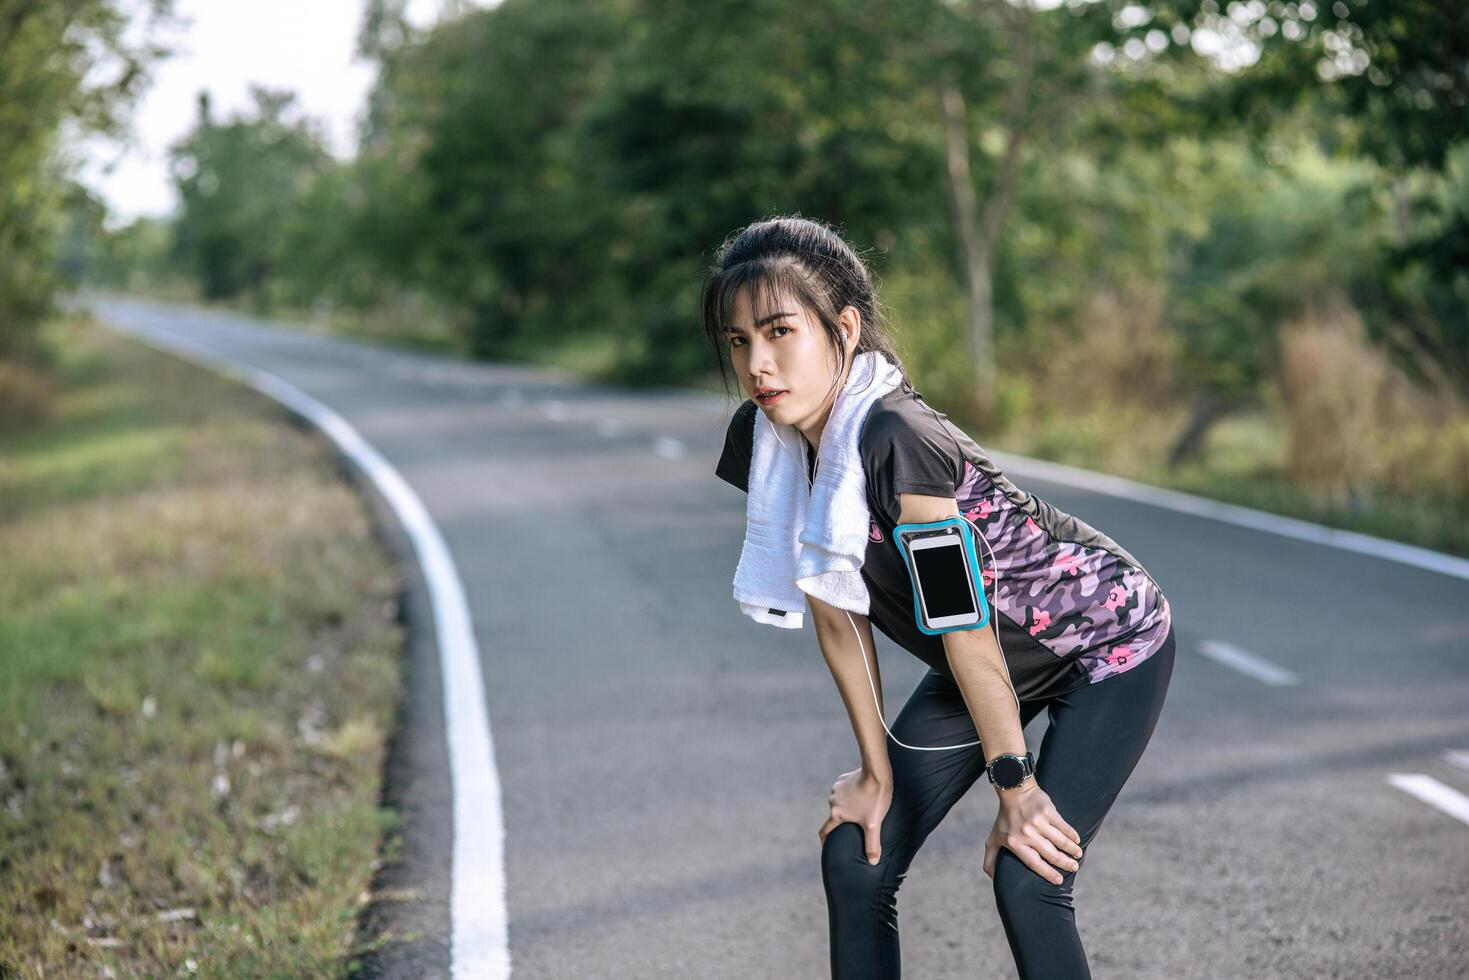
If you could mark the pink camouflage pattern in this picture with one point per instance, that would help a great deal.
(1068, 596)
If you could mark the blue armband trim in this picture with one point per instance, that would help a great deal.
(966, 536)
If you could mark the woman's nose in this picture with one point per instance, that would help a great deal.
(761, 359)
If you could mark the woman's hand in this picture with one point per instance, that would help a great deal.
(859, 798)
(1030, 827)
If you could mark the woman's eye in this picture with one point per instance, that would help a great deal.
(735, 340)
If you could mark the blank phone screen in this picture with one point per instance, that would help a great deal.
(945, 584)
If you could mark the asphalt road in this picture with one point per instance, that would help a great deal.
(665, 762)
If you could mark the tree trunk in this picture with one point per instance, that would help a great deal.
(1208, 408)
(974, 251)
(979, 233)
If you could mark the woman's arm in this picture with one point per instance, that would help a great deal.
(984, 680)
(843, 655)
(976, 660)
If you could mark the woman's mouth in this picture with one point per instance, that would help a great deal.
(771, 398)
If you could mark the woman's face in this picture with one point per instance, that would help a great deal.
(789, 352)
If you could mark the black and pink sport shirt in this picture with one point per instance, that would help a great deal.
(1072, 607)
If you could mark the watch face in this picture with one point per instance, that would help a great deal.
(1007, 771)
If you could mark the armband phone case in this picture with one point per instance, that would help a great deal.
(948, 590)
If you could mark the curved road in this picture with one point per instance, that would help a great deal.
(664, 762)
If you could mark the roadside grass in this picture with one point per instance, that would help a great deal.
(199, 666)
(1244, 463)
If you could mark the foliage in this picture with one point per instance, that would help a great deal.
(1382, 82)
(71, 64)
(241, 183)
(556, 174)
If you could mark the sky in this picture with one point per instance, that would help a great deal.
(224, 46)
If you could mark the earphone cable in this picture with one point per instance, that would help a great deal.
(995, 571)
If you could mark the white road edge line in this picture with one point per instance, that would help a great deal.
(1248, 663)
(1432, 792)
(479, 925)
(1290, 527)
(1459, 757)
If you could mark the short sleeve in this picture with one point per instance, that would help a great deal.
(739, 443)
(904, 454)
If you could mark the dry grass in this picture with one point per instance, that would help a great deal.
(1345, 440)
(1121, 347)
(198, 670)
(1355, 424)
(1105, 387)
(26, 396)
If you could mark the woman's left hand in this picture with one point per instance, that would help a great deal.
(1030, 827)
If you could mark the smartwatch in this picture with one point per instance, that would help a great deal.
(1009, 771)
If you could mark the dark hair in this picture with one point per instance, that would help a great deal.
(803, 259)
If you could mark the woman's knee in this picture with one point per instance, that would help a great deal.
(844, 866)
(857, 891)
(1018, 888)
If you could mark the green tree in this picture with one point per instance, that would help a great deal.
(1385, 80)
(60, 63)
(468, 136)
(240, 182)
(717, 113)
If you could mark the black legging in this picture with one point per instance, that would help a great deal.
(1096, 737)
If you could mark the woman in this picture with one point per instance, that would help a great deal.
(1086, 633)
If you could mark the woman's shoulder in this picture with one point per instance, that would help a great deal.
(739, 445)
(906, 447)
(905, 418)
(898, 414)
(742, 423)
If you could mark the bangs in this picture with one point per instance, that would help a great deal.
(770, 283)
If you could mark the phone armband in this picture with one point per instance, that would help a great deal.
(943, 567)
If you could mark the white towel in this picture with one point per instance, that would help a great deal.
(797, 544)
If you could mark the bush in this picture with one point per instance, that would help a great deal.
(1355, 423)
(27, 397)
